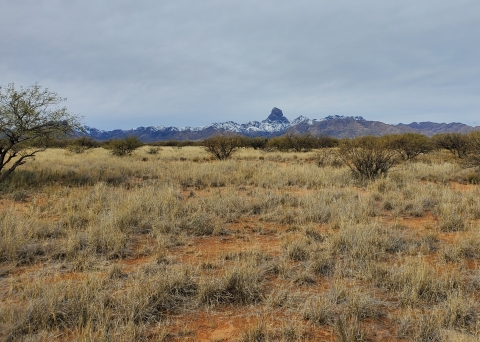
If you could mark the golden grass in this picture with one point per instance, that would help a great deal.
(260, 247)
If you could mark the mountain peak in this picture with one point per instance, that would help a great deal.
(276, 115)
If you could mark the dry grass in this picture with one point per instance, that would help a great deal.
(173, 245)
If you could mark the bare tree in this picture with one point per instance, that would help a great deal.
(222, 146)
(124, 147)
(410, 145)
(368, 157)
(472, 159)
(29, 118)
(457, 143)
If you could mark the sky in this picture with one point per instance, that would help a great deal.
(125, 64)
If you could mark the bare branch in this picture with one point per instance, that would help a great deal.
(29, 117)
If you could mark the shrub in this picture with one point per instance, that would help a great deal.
(319, 310)
(153, 150)
(155, 296)
(295, 142)
(456, 143)
(368, 157)
(472, 159)
(324, 141)
(65, 305)
(277, 143)
(327, 157)
(81, 144)
(348, 329)
(460, 312)
(257, 143)
(256, 334)
(222, 146)
(124, 147)
(410, 145)
(297, 250)
(426, 327)
(301, 142)
(240, 285)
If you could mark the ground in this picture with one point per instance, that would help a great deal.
(261, 247)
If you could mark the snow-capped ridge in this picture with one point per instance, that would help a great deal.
(302, 119)
(275, 122)
(342, 117)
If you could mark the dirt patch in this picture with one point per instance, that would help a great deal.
(463, 187)
(211, 248)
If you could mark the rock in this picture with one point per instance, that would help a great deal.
(277, 116)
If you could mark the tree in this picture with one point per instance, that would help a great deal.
(301, 142)
(295, 142)
(222, 146)
(472, 159)
(410, 145)
(81, 144)
(257, 143)
(324, 141)
(456, 143)
(368, 157)
(124, 147)
(29, 118)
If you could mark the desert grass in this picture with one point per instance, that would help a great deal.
(266, 246)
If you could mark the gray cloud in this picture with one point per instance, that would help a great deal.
(124, 64)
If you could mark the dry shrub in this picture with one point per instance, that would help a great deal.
(328, 157)
(319, 310)
(366, 242)
(298, 250)
(347, 329)
(222, 146)
(124, 147)
(199, 225)
(282, 296)
(256, 334)
(420, 328)
(321, 263)
(416, 283)
(452, 222)
(152, 296)
(368, 157)
(410, 145)
(460, 312)
(341, 300)
(456, 143)
(240, 285)
(68, 305)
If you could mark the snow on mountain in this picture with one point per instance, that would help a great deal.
(342, 117)
(302, 119)
(275, 123)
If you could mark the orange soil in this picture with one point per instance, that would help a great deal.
(463, 187)
(231, 322)
(227, 323)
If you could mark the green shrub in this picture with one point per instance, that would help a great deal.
(456, 143)
(124, 147)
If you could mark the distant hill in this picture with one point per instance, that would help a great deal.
(277, 124)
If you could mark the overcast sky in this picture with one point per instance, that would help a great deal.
(125, 63)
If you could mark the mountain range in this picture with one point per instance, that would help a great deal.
(276, 124)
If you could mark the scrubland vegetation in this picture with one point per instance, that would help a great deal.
(171, 244)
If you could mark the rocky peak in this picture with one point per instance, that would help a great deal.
(277, 116)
